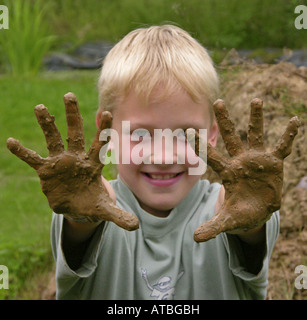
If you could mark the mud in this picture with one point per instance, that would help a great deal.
(252, 177)
(283, 89)
(71, 179)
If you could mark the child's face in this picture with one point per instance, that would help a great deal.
(160, 187)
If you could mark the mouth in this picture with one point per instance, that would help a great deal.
(163, 176)
(162, 179)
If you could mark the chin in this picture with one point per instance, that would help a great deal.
(165, 206)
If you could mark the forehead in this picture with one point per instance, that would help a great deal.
(177, 110)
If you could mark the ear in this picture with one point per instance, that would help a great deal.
(98, 117)
(213, 134)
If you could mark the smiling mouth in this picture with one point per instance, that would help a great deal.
(164, 176)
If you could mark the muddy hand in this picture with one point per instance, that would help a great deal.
(252, 177)
(71, 179)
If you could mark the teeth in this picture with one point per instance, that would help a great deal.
(162, 177)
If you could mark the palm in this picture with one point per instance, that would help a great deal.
(71, 173)
(252, 178)
(71, 179)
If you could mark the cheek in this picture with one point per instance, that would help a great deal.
(127, 166)
(128, 173)
(196, 166)
(192, 160)
(123, 149)
(135, 152)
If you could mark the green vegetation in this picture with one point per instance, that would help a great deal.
(27, 40)
(292, 108)
(25, 215)
(36, 27)
(216, 23)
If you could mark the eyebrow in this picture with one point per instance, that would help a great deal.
(136, 126)
(151, 128)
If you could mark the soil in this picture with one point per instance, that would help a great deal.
(283, 89)
(48, 289)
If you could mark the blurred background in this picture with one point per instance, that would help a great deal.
(55, 46)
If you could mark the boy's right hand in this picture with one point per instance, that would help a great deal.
(71, 179)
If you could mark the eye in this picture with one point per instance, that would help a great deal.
(139, 134)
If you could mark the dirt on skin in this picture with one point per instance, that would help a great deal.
(73, 172)
(252, 176)
(283, 89)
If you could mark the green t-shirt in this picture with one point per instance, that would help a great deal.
(161, 260)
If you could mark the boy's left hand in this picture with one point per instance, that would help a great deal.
(252, 177)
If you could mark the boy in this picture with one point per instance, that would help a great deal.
(160, 78)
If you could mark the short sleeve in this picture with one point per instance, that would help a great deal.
(257, 284)
(66, 277)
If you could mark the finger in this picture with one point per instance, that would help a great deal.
(284, 145)
(225, 220)
(112, 213)
(216, 160)
(255, 126)
(197, 143)
(213, 157)
(208, 230)
(231, 139)
(123, 219)
(105, 123)
(234, 216)
(53, 137)
(75, 137)
(29, 156)
(193, 138)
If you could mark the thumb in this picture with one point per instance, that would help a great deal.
(229, 219)
(123, 219)
(209, 229)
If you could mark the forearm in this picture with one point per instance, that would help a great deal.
(76, 237)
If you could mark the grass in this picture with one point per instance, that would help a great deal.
(25, 215)
(215, 23)
(292, 107)
(27, 40)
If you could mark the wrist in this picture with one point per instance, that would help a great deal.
(76, 219)
(81, 222)
(253, 236)
(78, 232)
(81, 218)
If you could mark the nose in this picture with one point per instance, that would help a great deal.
(164, 157)
(167, 151)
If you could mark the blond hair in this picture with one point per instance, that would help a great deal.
(158, 55)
